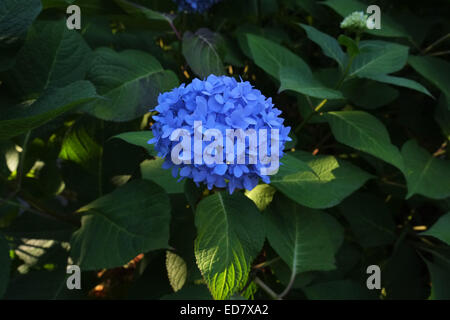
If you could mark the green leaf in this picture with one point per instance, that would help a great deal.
(261, 195)
(328, 44)
(435, 70)
(350, 44)
(31, 226)
(201, 51)
(441, 229)
(327, 185)
(230, 235)
(115, 228)
(306, 239)
(390, 27)
(378, 57)
(139, 138)
(369, 94)
(130, 81)
(53, 56)
(364, 132)
(402, 276)
(425, 174)
(442, 116)
(370, 220)
(305, 83)
(271, 57)
(176, 270)
(52, 103)
(16, 16)
(152, 170)
(136, 9)
(440, 277)
(81, 146)
(401, 82)
(5, 264)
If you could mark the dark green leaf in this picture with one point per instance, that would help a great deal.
(350, 44)
(369, 94)
(306, 239)
(425, 174)
(139, 138)
(117, 227)
(401, 82)
(370, 220)
(435, 70)
(305, 83)
(378, 57)
(130, 82)
(16, 16)
(53, 56)
(364, 132)
(271, 57)
(152, 170)
(201, 51)
(328, 44)
(52, 103)
(441, 229)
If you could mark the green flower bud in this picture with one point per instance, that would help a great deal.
(356, 21)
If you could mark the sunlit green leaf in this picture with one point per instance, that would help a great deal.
(330, 181)
(230, 235)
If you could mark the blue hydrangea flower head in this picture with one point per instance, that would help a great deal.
(195, 5)
(221, 104)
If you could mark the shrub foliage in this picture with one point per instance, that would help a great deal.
(364, 181)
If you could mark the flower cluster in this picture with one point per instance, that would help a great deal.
(195, 5)
(356, 21)
(220, 103)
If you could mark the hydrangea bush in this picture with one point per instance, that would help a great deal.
(362, 117)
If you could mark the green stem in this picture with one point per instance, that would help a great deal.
(267, 289)
(289, 286)
(316, 110)
(438, 41)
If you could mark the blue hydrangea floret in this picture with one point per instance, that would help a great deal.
(220, 104)
(195, 5)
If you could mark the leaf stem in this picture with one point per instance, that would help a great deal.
(177, 33)
(316, 109)
(266, 263)
(289, 286)
(266, 288)
(431, 46)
